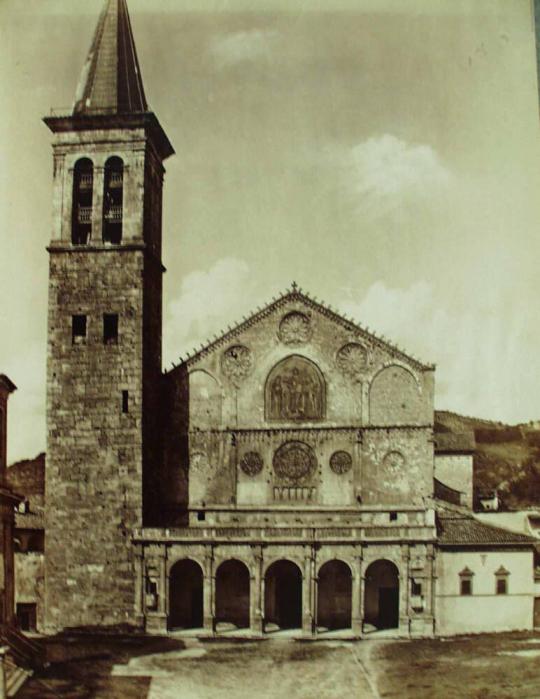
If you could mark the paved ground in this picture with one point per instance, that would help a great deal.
(487, 667)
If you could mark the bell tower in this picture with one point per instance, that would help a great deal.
(104, 335)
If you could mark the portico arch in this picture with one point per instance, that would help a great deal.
(232, 593)
(381, 602)
(186, 595)
(334, 596)
(283, 595)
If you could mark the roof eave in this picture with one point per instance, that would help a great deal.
(99, 121)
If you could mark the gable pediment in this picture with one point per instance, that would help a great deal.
(295, 320)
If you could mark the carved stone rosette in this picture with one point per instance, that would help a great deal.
(251, 463)
(295, 329)
(341, 462)
(294, 463)
(236, 362)
(394, 460)
(352, 359)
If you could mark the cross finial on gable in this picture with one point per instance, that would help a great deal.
(294, 286)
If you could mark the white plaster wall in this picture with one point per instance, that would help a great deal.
(483, 611)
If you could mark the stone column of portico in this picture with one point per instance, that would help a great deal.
(362, 593)
(404, 587)
(429, 594)
(256, 597)
(307, 598)
(314, 588)
(139, 586)
(209, 586)
(156, 621)
(357, 595)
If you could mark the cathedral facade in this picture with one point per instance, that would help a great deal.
(282, 477)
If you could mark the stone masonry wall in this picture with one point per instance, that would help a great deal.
(352, 387)
(100, 450)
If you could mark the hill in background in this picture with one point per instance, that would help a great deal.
(507, 457)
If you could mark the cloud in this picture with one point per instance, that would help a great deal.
(386, 174)
(240, 47)
(483, 364)
(207, 302)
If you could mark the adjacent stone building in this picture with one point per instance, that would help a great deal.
(8, 501)
(282, 477)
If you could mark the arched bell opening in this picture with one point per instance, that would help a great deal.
(113, 201)
(83, 194)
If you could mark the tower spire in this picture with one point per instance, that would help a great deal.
(111, 81)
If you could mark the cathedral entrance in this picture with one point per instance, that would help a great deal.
(334, 596)
(186, 595)
(232, 594)
(283, 596)
(381, 608)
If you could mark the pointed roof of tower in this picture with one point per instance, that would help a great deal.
(111, 81)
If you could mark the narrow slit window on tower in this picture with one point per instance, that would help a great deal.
(113, 201)
(78, 330)
(125, 401)
(83, 190)
(110, 329)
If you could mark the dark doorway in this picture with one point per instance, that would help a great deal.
(186, 595)
(381, 601)
(283, 595)
(232, 594)
(334, 596)
(26, 616)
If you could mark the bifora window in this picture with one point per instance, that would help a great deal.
(466, 582)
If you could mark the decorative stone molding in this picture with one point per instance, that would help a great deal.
(352, 359)
(236, 362)
(394, 460)
(251, 463)
(295, 329)
(341, 462)
(294, 463)
(295, 391)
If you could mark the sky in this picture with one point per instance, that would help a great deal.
(383, 154)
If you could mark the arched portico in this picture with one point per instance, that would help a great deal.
(283, 596)
(186, 595)
(334, 596)
(381, 601)
(232, 593)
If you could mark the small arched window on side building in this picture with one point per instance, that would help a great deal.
(113, 201)
(466, 582)
(83, 192)
(501, 581)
